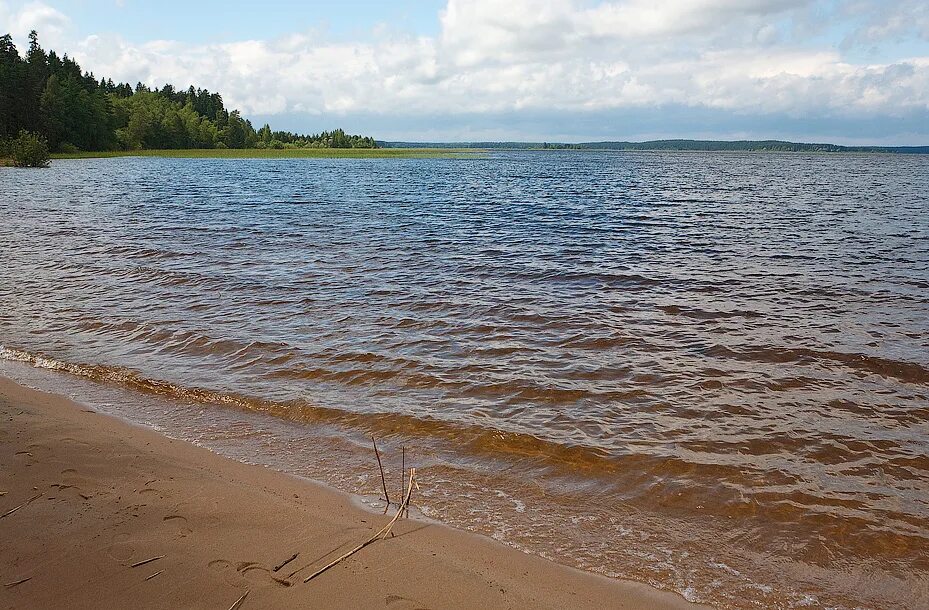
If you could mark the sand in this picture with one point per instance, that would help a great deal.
(98, 495)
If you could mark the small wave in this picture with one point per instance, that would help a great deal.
(598, 342)
(135, 251)
(385, 424)
(907, 372)
(703, 314)
(191, 343)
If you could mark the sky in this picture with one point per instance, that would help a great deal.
(842, 71)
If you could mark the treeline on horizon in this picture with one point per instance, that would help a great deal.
(50, 95)
(670, 145)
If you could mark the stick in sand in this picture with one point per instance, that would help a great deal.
(154, 575)
(381, 534)
(17, 582)
(278, 567)
(406, 509)
(239, 601)
(144, 561)
(13, 510)
(383, 480)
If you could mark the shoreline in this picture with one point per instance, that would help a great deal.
(111, 494)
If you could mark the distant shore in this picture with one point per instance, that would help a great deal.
(100, 513)
(675, 145)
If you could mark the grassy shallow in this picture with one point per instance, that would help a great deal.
(267, 153)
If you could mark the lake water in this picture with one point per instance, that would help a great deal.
(708, 372)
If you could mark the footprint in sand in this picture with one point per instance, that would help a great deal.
(71, 478)
(120, 549)
(73, 490)
(256, 573)
(26, 456)
(251, 571)
(74, 441)
(229, 573)
(212, 521)
(180, 522)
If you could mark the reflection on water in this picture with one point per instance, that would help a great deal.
(705, 371)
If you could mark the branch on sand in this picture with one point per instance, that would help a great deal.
(13, 510)
(10, 585)
(238, 602)
(278, 567)
(379, 535)
(144, 561)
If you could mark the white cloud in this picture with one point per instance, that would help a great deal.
(894, 21)
(744, 56)
(38, 16)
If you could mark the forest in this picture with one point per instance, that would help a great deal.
(50, 95)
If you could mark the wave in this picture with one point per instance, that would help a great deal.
(907, 372)
(480, 439)
(715, 480)
(191, 343)
(703, 314)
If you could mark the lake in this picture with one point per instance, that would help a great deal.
(704, 371)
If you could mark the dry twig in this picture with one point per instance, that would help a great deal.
(383, 480)
(239, 601)
(406, 509)
(380, 534)
(17, 582)
(144, 561)
(278, 567)
(13, 510)
(154, 575)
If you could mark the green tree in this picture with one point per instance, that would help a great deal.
(139, 126)
(235, 132)
(12, 88)
(29, 150)
(264, 134)
(36, 73)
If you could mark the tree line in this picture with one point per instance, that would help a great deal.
(50, 95)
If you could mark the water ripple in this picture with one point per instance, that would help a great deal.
(715, 367)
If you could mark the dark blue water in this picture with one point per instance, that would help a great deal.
(706, 371)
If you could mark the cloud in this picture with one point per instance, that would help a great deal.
(894, 21)
(52, 23)
(745, 57)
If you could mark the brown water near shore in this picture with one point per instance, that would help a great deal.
(707, 372)
(110, 515)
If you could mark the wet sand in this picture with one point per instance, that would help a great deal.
(98, 495)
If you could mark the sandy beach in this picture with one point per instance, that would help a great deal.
(95, 496)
